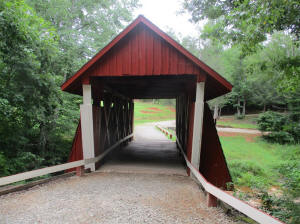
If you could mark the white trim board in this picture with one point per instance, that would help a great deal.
(57, 168)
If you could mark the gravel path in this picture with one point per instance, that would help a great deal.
(171, 123)
(111, 198)
(164, 195)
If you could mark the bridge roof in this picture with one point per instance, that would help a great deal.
(141, 50)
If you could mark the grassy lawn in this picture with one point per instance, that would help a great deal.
(231, 121)
(258, 161)
(148, 112)
(266, 173)
(253, 164)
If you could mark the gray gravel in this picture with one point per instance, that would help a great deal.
(143, 183)
(111, 198)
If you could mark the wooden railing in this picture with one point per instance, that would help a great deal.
(57, 168)
(241, 206)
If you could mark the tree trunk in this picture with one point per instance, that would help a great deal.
(244, 107)
(216, 109)
(265, 107)
(238, 107)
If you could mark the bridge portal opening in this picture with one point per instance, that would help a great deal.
(150, 150)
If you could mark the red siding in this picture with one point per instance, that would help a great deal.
(213, 163)
(143, 52)
(76, 150)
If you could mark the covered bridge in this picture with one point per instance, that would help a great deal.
(143, 62)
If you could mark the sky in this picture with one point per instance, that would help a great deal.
(164, 14)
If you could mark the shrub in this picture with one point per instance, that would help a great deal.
(239, 117)
(280, 137)
(283, 128)
(271, 121)
(247, 173)
(3, 166)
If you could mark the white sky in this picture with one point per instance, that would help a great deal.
(163, 13)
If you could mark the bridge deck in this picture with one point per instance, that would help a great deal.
(150, 152)
(142, 183)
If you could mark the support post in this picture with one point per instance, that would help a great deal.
(198, 125)
(79, 171)
(211, 200)
(87, 130)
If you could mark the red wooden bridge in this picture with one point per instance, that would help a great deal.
(143, 62)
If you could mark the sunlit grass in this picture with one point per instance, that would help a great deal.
(145, 112)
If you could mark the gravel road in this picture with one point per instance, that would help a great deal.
(111, 198)
(115, 197)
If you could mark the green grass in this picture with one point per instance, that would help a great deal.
(144, 112)
(266, 172)
(231, 121)
(256, 164)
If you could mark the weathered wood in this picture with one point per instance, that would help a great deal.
(198, 125)
(11, 189)
(61, 167)
(87, 130)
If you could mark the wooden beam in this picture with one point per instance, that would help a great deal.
(198, 125)
(87, 130)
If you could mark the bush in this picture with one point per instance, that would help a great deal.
(239, 117)
(290, 170)
(3, 166)
(280, 137)
(247, 173)
(284, 130)
(271, 121)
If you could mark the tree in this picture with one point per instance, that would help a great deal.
(28, 88)
(84, 27)
(246, 22)
(277, 61)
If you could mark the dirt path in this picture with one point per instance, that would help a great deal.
(118, 197)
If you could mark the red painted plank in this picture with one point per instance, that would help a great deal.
(76, 150)
(149, 53)
(157, 56)
(181, 64)
(142, 51)
(165, 58)
(173, 61)
(134, 53)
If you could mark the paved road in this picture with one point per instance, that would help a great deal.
(144, 187)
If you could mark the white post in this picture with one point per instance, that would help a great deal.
(198, 125)
(87, 130)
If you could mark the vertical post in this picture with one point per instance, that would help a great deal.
(198, 125)
(189, 148)
(211, 200)
(87, 129)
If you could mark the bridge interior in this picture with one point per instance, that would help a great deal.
(151, 152)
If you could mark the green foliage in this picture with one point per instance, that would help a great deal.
(84, 27)
(271, 121)
(3, 166)
(245, 22)
(41, 44)
(281, 207)
(290, 169)
(260, 165)
(248, 173)
(281, 127)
